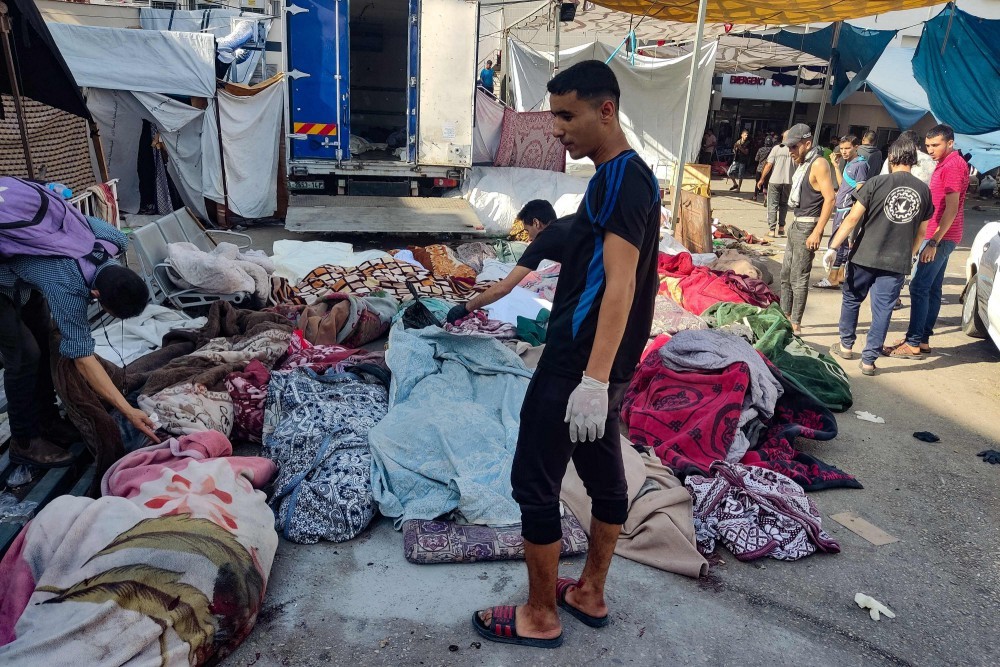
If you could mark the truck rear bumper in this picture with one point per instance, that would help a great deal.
(373, 168)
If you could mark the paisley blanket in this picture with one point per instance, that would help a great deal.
(169, 567)
(756, 513)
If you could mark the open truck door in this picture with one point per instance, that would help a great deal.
(319, 69)
(446, 81)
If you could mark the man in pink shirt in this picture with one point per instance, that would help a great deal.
(948, 186)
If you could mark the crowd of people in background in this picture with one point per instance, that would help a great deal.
(892, 212)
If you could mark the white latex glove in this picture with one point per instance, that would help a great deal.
(587, 410)
(875, 607)
(828, 258)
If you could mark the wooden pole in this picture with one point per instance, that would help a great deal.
(95, 140)
(224, 223)
(675, 194)
(5, 36)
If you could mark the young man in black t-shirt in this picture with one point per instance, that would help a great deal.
(600, 323)
(547, 242)
(891, 214)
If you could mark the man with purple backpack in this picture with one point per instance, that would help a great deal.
(49, 249)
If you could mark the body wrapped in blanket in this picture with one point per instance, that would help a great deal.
(447, 442)
(169, 567)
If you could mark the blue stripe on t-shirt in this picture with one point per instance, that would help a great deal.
(595, 279)
(613, 173)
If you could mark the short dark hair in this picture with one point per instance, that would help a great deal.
(537, 209)
(849, 139)
(903, 152)
(591, 80)
(122, 292)
(917, 140)
(941, 130)
(869, 137)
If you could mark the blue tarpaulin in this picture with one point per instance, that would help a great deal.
(857, 50)
(906, 115)
(958, 63)
(893, 83)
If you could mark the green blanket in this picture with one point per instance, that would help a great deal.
(815, 373)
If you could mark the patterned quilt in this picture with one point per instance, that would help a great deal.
(526, 141)
(756, 513)
(316, 430)
(387, 276)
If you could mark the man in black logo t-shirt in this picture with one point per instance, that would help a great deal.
(891, 214)
(600, 322)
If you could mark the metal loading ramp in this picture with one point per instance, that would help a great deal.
(384, 215)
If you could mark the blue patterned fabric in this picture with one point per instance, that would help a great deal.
(61, 283)
(448, 441)
(316, 430)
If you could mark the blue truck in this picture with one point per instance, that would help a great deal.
(380, 95)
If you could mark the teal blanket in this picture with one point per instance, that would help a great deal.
(448, 441)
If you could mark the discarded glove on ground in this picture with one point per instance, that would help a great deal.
(926, 436)
(875, 607)
(869, 417)
(990, 456)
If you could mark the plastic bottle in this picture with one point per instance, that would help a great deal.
(60, 189)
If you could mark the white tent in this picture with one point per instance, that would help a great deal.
(135, 75)
(218, 21)
(653, 103)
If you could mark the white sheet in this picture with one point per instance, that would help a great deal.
(193, 159)
(520, 302)
(251, 130)
(653, 96)
(295, 259)
(135, 337)
(218, 22)
(152, 61)
(498, 193)
(494, 269)
(489, 123)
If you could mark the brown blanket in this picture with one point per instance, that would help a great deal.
(660, 528)
(90, 415)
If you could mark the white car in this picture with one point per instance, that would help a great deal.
(981, 298)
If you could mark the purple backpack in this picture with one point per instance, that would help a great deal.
(35, 221)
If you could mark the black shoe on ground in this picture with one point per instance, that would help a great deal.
(38, 452)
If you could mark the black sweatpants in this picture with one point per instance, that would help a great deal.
(27, 379)
(544, 451)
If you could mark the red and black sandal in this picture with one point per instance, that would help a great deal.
(563, 585)
(503, 629)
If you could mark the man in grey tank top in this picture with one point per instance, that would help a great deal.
(812, 202)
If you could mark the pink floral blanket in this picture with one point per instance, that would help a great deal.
(169, 567)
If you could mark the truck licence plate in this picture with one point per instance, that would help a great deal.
(308, 185)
